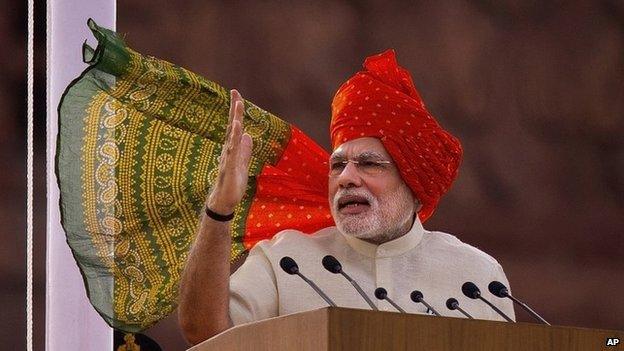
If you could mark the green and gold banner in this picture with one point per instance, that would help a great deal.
(137, 152)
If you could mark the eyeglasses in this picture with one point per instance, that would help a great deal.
(364, 166)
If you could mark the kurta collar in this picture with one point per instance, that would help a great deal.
(391, 248)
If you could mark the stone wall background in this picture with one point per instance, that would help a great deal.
(534, 89)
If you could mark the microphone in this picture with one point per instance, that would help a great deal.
(453, 304)
(382, 294)
(472, 291)
(331, 264)
(290, 266)
(417, 297)
(499, 289)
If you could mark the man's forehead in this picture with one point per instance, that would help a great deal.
(359, 146)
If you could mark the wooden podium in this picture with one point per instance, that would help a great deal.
(353, 329)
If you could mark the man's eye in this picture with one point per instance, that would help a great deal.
(370, 164)
(337, 166)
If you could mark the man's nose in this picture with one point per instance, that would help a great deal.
(350, 176)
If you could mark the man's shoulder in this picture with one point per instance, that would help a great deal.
(450, 244)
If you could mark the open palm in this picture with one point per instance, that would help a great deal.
(233, 174)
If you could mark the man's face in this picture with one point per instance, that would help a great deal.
(369, 200)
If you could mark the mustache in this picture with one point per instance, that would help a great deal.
(353, 192)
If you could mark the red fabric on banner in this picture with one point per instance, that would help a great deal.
(291, 194)
(382, 102)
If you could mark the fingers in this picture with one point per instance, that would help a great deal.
(235, 96)
(235, 99)
(246, 145)
(232, 103)
(230, 154)
(232, 176)
(237, 126)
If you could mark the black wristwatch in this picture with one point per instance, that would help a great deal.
(219, 217)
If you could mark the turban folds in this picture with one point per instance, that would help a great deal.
(382, 102)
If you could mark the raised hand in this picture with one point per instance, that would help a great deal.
(231, 181)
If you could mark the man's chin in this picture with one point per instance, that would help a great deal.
(355, 222)
(354, 225)
(351, 219)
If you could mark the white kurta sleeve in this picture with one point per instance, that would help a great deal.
(253, 291)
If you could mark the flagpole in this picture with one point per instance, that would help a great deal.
(71, 322)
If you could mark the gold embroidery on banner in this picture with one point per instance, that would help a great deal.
(117, 117)
(90, 155)
(261, 126)
(140, 256)
(112, 226)
(134, 273)
(122, 247)
(103, 173)
(145, 177)
(109, 152)
(139, 302)
(164, 162)
(109, 194)
(126, 247)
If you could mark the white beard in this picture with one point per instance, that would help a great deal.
(386, 219)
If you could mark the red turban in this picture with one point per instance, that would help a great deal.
(382, 102)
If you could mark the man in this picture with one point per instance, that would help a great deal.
(390, 165)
